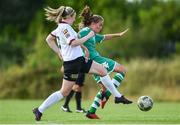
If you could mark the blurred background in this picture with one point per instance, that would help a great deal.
(150, 50)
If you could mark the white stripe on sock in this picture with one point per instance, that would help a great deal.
(97, 99)
(94, 105)
(115, 82)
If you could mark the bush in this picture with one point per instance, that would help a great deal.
(158, 78)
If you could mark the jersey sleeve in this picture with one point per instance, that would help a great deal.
(54, 33)
(99, 38)
(69, 34)
(83, 33)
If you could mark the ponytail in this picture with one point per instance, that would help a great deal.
(88, 17)
(58, 14)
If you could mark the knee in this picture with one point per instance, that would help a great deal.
(76, 88)
(121, 69)
(103, 71)
(65, 93)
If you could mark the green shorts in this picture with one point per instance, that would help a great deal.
(109, 64)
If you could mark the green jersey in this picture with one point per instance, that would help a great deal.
(91, 43)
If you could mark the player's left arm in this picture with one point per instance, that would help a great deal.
(110, 36)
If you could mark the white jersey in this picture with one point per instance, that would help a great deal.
(65, 34)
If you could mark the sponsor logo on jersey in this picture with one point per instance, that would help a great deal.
(106, 65)
(66, 33)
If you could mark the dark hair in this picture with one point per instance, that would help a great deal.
(88, 17)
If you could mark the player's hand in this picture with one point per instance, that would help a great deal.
(86, 59)
(62, 69)
(87, 54)
(60, 56)
(122, 33)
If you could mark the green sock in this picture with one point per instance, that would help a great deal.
(96, 103)
(118, 79)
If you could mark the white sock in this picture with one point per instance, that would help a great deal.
(107, 82)
(52, 99)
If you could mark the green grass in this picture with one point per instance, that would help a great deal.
(20, 112)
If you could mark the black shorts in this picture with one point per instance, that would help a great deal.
(73, 68)
(80, 79)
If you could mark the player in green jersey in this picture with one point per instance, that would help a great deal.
(94, 23)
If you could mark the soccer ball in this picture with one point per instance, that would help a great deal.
(145, 103)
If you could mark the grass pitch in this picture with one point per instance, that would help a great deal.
(20, 112)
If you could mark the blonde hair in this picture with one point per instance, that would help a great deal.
(58, 14)
(88, 17)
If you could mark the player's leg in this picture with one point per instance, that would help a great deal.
(96, 103)
(53, 98)
(98, 69)
(78, 95)
(106, 94)
(65, 107)
(119, 76)
(100, 100)
(116, 81)
(103, 95)
(78, 92)
(71, 70)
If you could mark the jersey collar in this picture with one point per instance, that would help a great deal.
(63, 22)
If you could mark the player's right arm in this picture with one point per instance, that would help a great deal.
(80, 41)
(51, 41)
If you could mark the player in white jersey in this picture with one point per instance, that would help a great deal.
(72, 55)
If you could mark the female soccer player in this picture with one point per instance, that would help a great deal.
(94, 23)
(73, 60)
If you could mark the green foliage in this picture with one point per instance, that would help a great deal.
(15, 17)
(10, 52)
(158, 78)
(24, 82)
(38, 73)
(154, 26)
(18, 13)
(28, 65)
